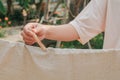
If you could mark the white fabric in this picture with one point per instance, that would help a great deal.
(21, 62)
(100, 16)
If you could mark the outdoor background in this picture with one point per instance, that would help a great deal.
(14, 14)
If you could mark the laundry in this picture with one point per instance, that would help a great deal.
(22, 62)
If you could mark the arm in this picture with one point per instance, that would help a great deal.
(64, 32)
(61, 33)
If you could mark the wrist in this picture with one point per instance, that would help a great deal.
(45, 29)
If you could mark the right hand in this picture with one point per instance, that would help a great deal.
(36, 28)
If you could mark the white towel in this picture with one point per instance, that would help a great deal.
(21, 62)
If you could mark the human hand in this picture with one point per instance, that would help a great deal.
(31, 28)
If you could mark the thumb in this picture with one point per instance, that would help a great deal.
(37, 31)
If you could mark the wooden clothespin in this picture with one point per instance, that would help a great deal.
(39, 42)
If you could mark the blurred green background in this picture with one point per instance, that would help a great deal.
(54, 12)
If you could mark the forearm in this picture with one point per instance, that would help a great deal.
(62, 33)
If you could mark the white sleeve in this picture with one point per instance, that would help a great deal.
(91, 21)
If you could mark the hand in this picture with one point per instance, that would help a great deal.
(38, 29)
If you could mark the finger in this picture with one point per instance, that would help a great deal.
(30, 25)
(27, 32)
(25, 36)
(28, 41)
(28, 28)
(39, 31)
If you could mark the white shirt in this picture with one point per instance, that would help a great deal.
(100, 16)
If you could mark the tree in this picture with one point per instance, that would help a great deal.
(9, 7)
(76, 7)
(2, 8)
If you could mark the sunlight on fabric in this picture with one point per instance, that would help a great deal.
(21, 62)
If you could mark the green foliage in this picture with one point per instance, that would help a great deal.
(25, 3)
(74, 44)
(5, 22)
(2, 8)
(96, 43)
(17, 17)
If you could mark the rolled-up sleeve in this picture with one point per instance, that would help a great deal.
(91, 21)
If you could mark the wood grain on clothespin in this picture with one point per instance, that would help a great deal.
(39, 42)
